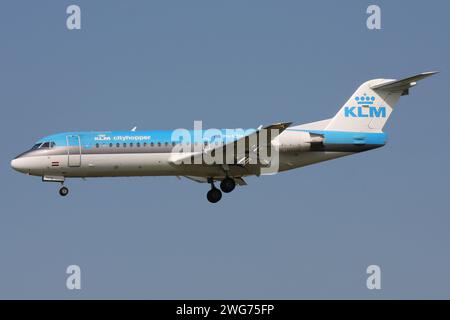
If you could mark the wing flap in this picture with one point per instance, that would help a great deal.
(250, 142)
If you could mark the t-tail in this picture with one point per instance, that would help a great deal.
(370, 106)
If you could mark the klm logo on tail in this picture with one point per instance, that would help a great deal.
(365, 109)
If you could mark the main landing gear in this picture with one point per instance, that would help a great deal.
(214, 195)
(227, 185)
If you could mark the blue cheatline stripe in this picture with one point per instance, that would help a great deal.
(91, 138)
(106, 137)
(344, 137)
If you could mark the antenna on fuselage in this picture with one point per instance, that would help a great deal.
(134, 129)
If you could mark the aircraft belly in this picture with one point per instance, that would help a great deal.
(295, 160)
(137, 164)
(159, 164)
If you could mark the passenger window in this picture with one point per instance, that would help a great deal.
(159, 144)
(145, 144)
(173, 144)
(151, 144)
(131, 145)
(117, 145)
(138, 144)
(124, 145)
(97, 145)
(166, 144)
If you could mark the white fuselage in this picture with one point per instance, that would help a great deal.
(155, 153)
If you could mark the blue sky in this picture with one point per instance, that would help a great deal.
(307, 233)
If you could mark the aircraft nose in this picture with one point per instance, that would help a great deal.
(19, 164)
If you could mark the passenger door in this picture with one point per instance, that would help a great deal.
(74, 150)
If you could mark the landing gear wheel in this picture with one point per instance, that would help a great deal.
(227, 185)
(214, 195)
(63, 191)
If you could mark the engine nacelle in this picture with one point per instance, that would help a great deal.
(296, 141)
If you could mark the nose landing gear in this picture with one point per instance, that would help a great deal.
(63, 191)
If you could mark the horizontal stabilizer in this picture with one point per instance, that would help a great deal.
(402, 85)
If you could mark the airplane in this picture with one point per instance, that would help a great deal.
(357, 127)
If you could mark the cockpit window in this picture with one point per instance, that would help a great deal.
(36, 146)
(45, 145)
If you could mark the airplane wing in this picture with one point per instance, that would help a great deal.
(241, 157)
(239, 180)
(251, 142)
